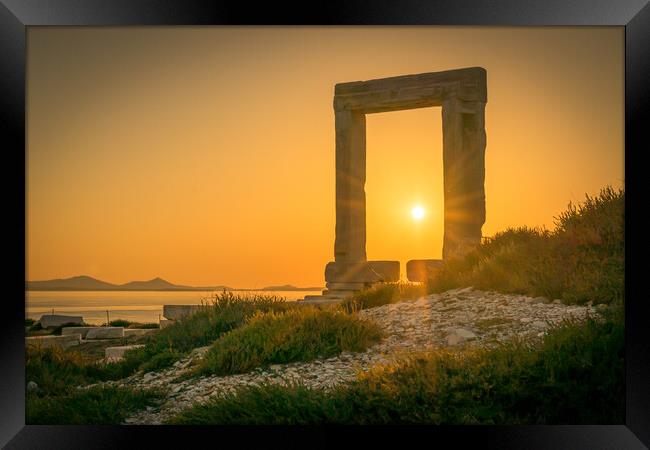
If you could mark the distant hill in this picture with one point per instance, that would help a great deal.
(157, 284)
(86, 283)
(289, 287)
(81, 283)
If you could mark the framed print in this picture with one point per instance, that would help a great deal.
(330, 222)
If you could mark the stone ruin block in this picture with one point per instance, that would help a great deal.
(421, 270)
(56, 320)
(105, 333)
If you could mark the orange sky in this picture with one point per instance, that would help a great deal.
(205, 155)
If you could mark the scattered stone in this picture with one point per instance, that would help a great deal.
(454, 339)
(32, 387)
(540, 324)
(557, 301)
(543, 300)
(105, 333)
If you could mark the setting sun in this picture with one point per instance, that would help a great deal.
(417, 212)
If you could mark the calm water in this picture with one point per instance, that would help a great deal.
(141, 306)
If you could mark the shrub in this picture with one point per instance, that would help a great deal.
(581, 260)
(297, 335)
(55, 369)
(93, 406)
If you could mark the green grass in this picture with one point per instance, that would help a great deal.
(55, 369)
(224, 312)
(301, 334)
(581, 260)
(93, 406)
(383, 294)
(574, 376)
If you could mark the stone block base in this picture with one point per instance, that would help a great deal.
(420, 270)
(362, 272)
(54, 341)
(113, 354)
(105, 333)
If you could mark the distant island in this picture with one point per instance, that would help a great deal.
(86, 283)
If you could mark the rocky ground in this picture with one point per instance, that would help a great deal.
(456, 318)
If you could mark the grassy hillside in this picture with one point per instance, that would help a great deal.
(581, 260)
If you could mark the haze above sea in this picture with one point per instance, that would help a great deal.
(135, 306)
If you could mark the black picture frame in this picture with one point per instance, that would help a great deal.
(17, 15)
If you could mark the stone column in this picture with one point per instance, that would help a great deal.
(464, 174)
(350, 242)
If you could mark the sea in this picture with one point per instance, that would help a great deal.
(96, 307)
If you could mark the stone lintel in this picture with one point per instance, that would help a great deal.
(362, 272)
(412, 91)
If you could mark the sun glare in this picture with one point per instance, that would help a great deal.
(417, 212)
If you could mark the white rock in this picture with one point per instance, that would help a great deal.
(105, 333)
(83, 331)
(128, 332)
(454, 339)
(466, 334)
